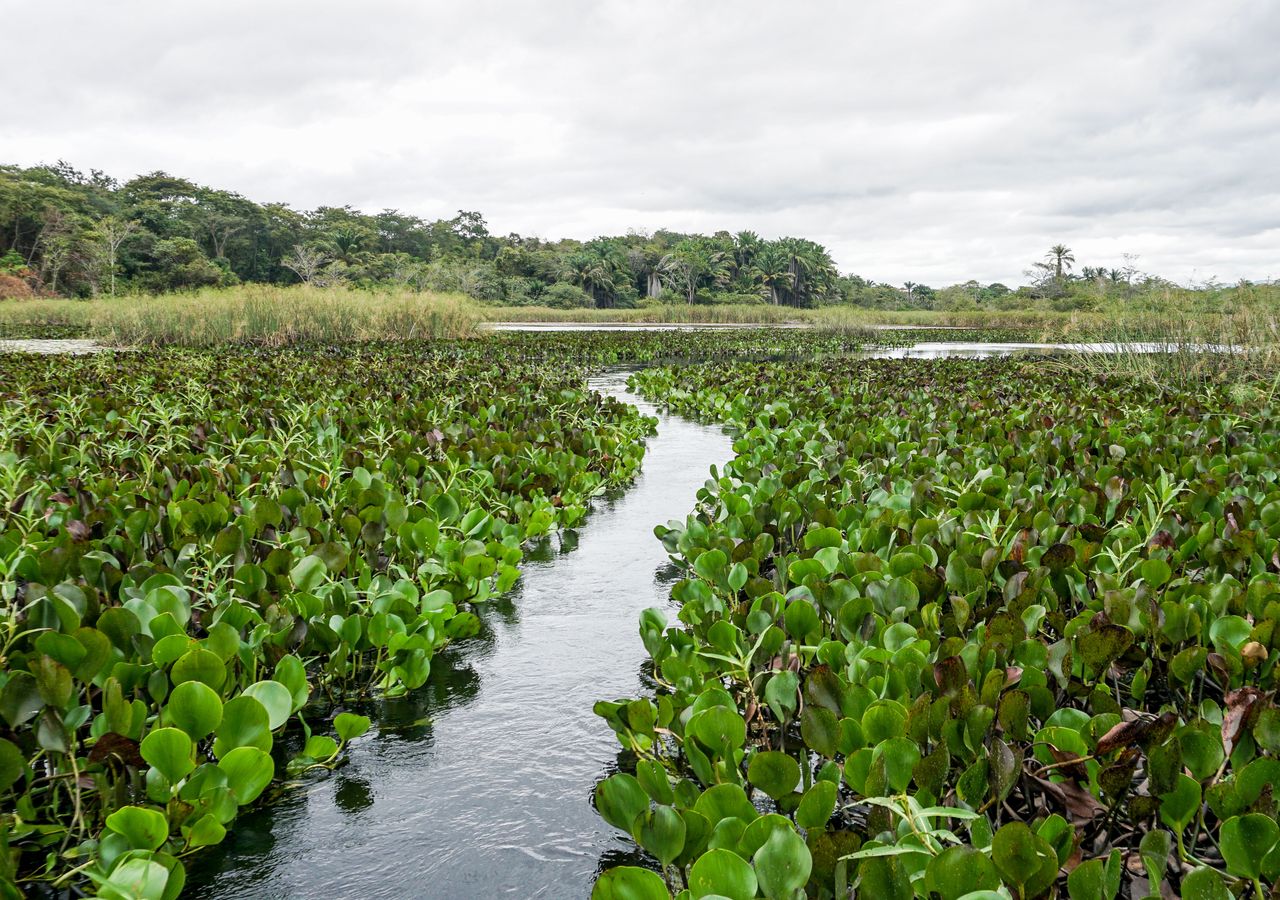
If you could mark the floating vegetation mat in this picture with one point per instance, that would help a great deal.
(961, 629)
(197, 545)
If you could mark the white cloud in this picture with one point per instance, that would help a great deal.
(931, 141)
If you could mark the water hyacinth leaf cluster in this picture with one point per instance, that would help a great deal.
(205, 552)
(961, 629)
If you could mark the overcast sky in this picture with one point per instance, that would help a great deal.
(933, 141)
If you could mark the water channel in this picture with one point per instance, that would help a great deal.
(492, 796)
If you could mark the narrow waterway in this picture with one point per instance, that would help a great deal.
(480, 785)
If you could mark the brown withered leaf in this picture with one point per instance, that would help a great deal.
(1218, 663)
(1080, 806)
(78, 530)
(1122, 735)
(1239, 705)
(950, 675)
(113, 747)
(1068, 764)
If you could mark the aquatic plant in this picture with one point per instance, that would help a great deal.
(197, 545)
(961, 629)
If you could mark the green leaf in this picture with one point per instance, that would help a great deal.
(900, 755)
(820, 730)
(275, 699)
(291, 673)
(722, 873)
(249, 771)
(1025, 860)
(620, 799)
(1179, 807)
(144, 829)
(1202, 884)
(1155, 847)
(958, 871)
(1088, 881)
(781, 693)
(245, 723)
(661, 831)
(1245, 842)
(199, 664)
(773, 772)
(195, 708)
(822, 537)
(783, 864)
(135, 879)
(53, 681)
(20, 699)
(170, 751)
(629, 883)
(884, 878)
(726, 801)
(308, 573)
(719, 729)
(817, 805)
(12, 764)
(206, 832)
(350, 726)
(1155, 572)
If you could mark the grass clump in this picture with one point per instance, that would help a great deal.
(275, 316)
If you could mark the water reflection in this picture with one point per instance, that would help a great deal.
(354, 794)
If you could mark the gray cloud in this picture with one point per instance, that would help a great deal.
(930, 141)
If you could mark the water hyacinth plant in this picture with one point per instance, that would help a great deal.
(198, 546)
(961, 629)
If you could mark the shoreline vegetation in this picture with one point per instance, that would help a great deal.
(1181, 323)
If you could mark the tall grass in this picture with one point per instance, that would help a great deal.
(1182, 345)
(51, 318)
(676, 313)
(256, 314)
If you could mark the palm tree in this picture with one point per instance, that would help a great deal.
(746, 244)
(596, 272)
(813, 274)
(691, 263)
(1061, 258)
(773, 267)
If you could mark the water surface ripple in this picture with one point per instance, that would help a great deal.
(493, 796)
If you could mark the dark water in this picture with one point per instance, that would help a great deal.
(493, 796)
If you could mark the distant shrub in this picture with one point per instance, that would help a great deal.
(738, 298)
(563, 295)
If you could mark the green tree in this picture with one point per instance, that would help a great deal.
(1061, 258)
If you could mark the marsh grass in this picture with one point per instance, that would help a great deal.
(839, 318)
(44, 318)
(276, 316)
(1183, 346)
(264, 315)
(676, 314)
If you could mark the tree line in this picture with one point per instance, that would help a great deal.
(70, 233)
(63, 231)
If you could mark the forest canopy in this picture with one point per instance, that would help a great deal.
(64, 232)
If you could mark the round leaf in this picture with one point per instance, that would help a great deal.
(629, 883)
(195, 708)
(275, 699)
(249, 771)
(722, 873)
